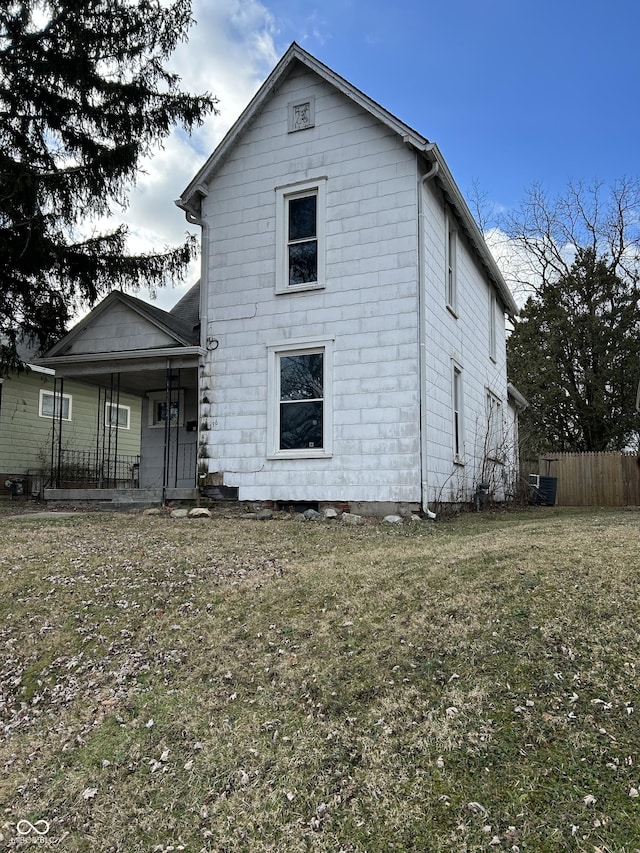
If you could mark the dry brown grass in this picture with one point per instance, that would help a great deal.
(227, 685)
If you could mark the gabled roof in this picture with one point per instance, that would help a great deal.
(177, 323)
(191, 198)
(187, 310)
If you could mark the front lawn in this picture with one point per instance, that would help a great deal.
(234, 685)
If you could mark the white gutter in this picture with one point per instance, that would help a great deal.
(422, 337)
(459, 204)
(121, 355)
(37, 369)
(194, 217)
(519, 399)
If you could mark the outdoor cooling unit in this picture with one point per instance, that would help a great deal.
(542, 490)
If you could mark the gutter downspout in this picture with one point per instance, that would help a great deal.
(194, 217)
(422, 323)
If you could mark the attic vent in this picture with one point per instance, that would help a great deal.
(301, 115)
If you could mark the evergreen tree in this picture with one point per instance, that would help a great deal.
(575, 355)
(85, 94)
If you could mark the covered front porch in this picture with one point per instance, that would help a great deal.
(128, 347)
(166, 384)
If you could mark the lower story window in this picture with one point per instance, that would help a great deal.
(301, 400)
(55, 405)
(458, 416)
(118, 416)
(300, 405)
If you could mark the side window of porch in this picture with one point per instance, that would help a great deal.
(158, 407)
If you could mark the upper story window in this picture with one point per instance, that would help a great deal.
(300, 233)
(302, 239)
(492, 326)
(451, 263)
(54, 405)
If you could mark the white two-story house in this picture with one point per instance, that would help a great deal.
(352, 316)
(346, 343)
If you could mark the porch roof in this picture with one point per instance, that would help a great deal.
(139, 370)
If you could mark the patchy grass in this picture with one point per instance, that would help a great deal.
(231, 685)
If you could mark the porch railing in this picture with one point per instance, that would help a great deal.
(90, 469)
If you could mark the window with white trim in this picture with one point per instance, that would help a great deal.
(50, 405)
(458, 414)
(117, 416)
(300, 410)
(492, 326)
(300, 236)
(495, 428)
(451, 262)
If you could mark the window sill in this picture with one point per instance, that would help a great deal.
(301, 454)
(300, 288)
(452, 311)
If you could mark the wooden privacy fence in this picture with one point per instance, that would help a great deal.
(594, 479)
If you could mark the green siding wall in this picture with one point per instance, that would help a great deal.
(25, 437)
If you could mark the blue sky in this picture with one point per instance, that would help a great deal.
(512, 91)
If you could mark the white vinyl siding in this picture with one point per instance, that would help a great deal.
(367, 307)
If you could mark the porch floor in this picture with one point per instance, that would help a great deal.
(119, 498)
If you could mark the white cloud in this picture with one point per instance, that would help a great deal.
(515, 264)
(231, 49)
